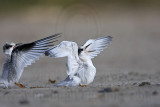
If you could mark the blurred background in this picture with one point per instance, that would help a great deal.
(133, 24)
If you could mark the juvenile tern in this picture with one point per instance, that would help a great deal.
(18, 56)
(80, 69)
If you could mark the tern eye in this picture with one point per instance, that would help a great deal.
(8, 46)
(79, 51)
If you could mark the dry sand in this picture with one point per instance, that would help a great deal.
(128, 72)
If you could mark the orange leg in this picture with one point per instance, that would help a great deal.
(19, 85)
(83, 85)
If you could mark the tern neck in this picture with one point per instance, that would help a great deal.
(7, 57)
(86, 60)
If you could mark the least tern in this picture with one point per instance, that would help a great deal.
(80, 69)
(18, 56)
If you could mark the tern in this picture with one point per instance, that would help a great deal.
(80, 69)
(18, 56)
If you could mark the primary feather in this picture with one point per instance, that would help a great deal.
(94, 46)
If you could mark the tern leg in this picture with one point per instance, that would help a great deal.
(83, 85)
(19, 85)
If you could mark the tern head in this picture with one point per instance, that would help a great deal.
(83, 54)
(8, 48)
(65, 48)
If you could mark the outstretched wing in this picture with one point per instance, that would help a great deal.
(61, 50)
(26, 54)
(65, 49)
(94, 46)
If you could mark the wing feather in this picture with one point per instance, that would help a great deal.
(26, 54)
(94, 46)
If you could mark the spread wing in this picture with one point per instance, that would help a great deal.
(26, 54)
(94, 46)
(62, 50)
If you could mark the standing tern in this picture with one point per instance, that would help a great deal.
(80, 69)
(18, 56)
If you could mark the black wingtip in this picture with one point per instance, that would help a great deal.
(19, 44)
(55, 36)
(110, 38)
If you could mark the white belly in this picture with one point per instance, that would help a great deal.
(87, 75)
